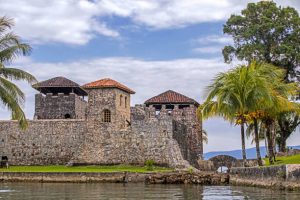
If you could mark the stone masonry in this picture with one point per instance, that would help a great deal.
(103, 130)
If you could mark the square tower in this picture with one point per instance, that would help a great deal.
(109, 102)
(59, 98)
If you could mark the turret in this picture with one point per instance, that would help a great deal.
(59, 98)
(109, 103)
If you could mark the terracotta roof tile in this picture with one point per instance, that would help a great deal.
(171, 97)
(107, 83)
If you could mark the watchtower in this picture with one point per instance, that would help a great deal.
(187, 126)
(109, 102)
(59, 98)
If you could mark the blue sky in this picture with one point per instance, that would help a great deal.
(150, 46)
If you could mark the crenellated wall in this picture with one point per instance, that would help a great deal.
(59, 106)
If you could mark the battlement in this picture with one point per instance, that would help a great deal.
(174, 112)
(59, 106)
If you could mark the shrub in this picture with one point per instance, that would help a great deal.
(149, 165)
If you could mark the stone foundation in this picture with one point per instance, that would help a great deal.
(282, 176)
(117, 177)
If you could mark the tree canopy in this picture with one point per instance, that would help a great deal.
(265, 32)
(10, 48)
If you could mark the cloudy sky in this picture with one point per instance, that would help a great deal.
(149, 45)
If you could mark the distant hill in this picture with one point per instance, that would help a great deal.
(251, 153)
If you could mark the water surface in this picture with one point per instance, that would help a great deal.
(42, 191)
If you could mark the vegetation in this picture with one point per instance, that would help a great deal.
(248, 94)
(270, 34)
(10, 48)
(267, 33)
(149, 165)
(61, 168)
(285, 160)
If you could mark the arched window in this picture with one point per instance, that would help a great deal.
(121, 99)
(125, 102)
(106, 116)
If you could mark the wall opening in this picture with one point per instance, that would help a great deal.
(222, 169)
(125, 102)
(67, 116)
(106, 116)
(183, 106)
(121, 99)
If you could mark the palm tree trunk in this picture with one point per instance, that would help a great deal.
(257, 143)
(270, 142)
(266, 144)
(274, 140)
(243, 142)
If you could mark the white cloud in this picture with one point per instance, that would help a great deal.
(214, 39)
(66, 21)
(208, 50)
(78, 21)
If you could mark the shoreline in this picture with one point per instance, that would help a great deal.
(209, 178)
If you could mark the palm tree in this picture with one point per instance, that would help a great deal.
(245, 89)
(10, 48)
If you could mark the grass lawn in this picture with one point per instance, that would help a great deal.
(285, 160)
(61, 168)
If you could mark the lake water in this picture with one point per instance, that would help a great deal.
(70, 191)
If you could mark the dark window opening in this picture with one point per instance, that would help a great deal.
(183, 106)
(121, 99)
(106, 116)
(157, 107)
(125, 102)
(67, 116)
(169, 107)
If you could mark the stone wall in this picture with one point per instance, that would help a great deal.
(144, 140)
(186, 130)
(45, 142)
(117, 177)
(282, 176)
(59, 106)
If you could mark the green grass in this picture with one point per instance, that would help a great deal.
(61, 168)
(285, 160)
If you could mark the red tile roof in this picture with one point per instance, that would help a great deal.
(107, 83)
(169, 97)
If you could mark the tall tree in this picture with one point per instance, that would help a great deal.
(236, 93)
(10, 48)
(287, 124)
(268, 33)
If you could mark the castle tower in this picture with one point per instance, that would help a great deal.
(109, 103)
(187, 127)
(59, 98)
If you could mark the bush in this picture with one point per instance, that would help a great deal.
(149, 165)
(190, 170)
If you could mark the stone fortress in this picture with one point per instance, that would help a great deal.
(103, 129)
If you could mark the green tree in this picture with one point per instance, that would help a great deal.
(268, 33)
(287, 124)
(236, 93)
(10, 48)
(256, 88)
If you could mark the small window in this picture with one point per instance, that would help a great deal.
(67, 116)
(125, 102)
(121, 98)
(106, 116)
